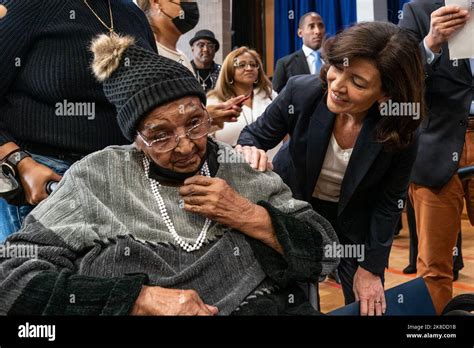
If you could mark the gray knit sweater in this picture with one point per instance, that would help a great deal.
(100, 236)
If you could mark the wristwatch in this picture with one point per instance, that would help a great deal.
(16, 157)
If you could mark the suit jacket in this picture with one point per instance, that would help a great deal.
(376, 181)
(449, 92)
(288, 66)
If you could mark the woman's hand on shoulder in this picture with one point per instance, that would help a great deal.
(257, 158)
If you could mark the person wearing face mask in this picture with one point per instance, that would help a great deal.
(169, 19)
(350, 154)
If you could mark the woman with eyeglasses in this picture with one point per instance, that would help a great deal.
(242, 74)
(162, 227)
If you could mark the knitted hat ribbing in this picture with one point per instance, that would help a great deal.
(137, 81)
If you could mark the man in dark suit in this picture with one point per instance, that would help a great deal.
(446, 143)
(307, 60)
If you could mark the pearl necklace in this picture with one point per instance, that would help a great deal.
(154, 184)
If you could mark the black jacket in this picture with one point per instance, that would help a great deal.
(375, 184)
(449, 92)
(289, 66)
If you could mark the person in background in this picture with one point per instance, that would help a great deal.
(204, 46)
(169, 19)
(307, 60)
(446, 144)
(242, 74)
(52, 110)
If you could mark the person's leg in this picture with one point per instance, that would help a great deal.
(347, 269)
(12, 216)
(458, 263)
(437, 214)
(413, 252)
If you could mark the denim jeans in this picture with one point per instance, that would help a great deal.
(12, 216)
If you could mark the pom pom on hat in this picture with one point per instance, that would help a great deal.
(108, 51)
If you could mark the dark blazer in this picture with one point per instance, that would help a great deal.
(289, 66)
(375, 184)
(449, 92)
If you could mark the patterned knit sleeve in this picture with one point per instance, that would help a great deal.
(38, 264)
(303, 234)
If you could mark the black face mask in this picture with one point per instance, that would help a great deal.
(162, 174)
(188, 19)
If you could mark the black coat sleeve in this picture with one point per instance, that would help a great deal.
(388, 207)
(273, 125)
(280, 76)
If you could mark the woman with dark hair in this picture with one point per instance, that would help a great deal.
(353, 143)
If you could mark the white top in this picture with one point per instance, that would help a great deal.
(328, 186)
(177, 56)
(231, 131)
(308, 52)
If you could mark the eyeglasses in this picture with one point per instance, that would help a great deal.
(167, 140)
(242, 65)
(210, 46)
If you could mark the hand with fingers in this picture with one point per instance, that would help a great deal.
(444, 23)
(34, 178)
(257, 158)
(215, 199)
(155, 300)
(368, 289)
(228, 111)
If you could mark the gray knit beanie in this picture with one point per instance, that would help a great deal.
(137, 81)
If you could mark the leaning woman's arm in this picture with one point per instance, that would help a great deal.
(387, 210)
(290, 240)
(44, 281)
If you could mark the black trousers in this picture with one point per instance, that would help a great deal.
(348, 265)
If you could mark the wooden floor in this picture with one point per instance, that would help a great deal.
(331, 293)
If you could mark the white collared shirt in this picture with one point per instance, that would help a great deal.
(308, 52)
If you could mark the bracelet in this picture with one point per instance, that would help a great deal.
(9, 154)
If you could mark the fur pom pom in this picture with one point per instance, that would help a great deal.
(108, 51)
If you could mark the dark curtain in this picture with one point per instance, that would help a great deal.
(337, 15)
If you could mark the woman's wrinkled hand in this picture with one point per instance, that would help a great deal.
(369, 291)
(257, 158)
(216, 200)
(155, 300)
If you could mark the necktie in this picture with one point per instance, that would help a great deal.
(317, 61)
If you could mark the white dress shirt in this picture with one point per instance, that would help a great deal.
(308, 52)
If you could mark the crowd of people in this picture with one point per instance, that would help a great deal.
(153, 219)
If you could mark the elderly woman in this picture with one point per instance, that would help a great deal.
(161, 227)
(353, 144)
(242, 74)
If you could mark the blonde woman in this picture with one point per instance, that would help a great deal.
(242, 74)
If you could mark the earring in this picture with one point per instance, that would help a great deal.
(255, 82)
(231, 82)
